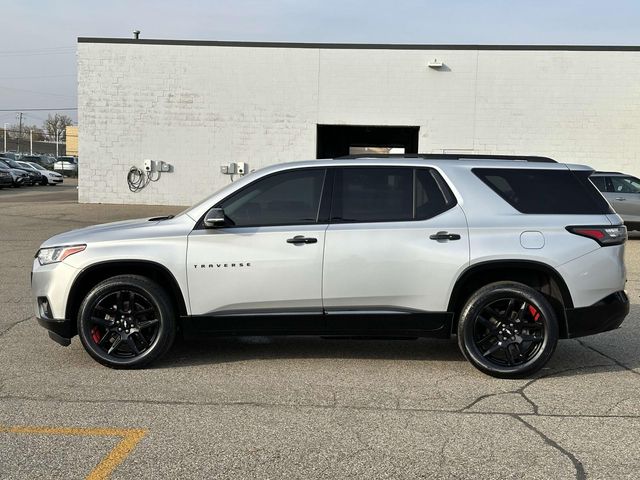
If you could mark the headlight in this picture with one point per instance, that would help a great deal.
(57, 254)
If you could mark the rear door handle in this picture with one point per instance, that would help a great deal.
(620, 199)
(444, 236)
(298, 239)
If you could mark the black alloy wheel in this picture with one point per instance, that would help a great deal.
(508, 330)
(126, 322)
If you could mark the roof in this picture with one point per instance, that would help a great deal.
(451, 156)
(362, 46)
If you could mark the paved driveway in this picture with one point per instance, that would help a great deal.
(297, 407)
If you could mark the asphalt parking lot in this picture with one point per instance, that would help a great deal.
(297, 407)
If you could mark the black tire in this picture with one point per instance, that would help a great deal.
(126, 321)
(44, 181)
(508, 330)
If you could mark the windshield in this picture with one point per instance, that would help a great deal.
(13, 163)
(37, 166)
(25, 165)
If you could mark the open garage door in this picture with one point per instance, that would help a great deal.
(339, 140)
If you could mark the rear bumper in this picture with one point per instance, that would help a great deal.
(602, 316)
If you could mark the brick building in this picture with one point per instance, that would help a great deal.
(198, 105)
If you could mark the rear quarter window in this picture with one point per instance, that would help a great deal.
(537, 191)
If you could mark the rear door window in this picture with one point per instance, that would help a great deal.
(538, 191)
(388, 194)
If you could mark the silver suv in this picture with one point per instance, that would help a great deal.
(509, 254)
(623, 193)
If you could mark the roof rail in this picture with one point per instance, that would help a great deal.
(607, 173)
(451, 156)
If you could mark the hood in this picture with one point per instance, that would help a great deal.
(139, 228)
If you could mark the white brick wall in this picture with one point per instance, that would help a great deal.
(197, 107)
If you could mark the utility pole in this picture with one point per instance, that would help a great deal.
(30, 142)
(57, 140)
(5, 136)
(19, 115)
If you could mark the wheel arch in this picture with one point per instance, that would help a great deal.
(90, 276)
(538, 275)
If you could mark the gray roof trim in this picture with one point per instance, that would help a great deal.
(364, 46)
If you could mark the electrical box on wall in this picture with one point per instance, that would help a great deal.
(149, 166)
(235, 168)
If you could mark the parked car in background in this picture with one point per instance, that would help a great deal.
(11, 155)
(623, 193)
(35, 177)
(44, 160)
(6, 180)
(18, 176)
(48, 177)
(66, 165)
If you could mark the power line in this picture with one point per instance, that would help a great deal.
(37, 93)
(23, 77)
(65, 47)
(36, 109)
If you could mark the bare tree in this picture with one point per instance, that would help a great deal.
(56, 122)
(13, 132)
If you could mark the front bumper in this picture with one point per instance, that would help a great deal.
(607, 314)
(60, 331)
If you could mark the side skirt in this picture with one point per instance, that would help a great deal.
(337, 323)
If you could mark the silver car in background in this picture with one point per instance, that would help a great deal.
(623, 193)
(48, 177)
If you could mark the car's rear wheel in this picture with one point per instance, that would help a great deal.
(508, 330)
(126, 322)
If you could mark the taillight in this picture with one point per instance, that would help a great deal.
(604, 235)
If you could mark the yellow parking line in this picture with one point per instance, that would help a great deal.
(102, 471)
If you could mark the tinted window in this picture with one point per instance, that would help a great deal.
(372, 195)
(432, 196)
(545, 191)
(288, 198)
(600, 183)
(388, 194)
(625, 184)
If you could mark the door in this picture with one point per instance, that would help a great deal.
(267, 257)
(396, 241)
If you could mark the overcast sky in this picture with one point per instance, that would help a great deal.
(37, 51)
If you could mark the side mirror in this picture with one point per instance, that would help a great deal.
(214, 218)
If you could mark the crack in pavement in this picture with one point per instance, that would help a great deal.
(589, 347)
(11, 326)
(577, 464)
(327, 406)
(521, 391)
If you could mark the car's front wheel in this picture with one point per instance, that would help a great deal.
(508, 330)
(126, 321)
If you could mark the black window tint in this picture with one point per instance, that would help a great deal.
(545, 191)
(432, 195)
(372, 195)
(288, 198)
(600, 183)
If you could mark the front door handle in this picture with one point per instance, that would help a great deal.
(444, 236)
(298, 239)
(620, 199)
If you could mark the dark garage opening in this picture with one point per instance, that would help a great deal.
(339, 140)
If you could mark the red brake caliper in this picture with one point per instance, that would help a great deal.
(534, 313)
(95, 334)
